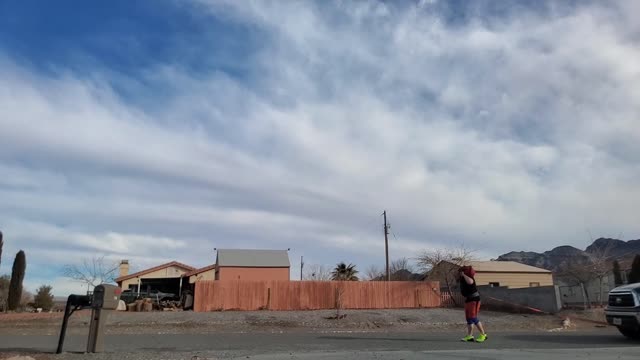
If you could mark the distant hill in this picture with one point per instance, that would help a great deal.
(555, 259)
(615, 248)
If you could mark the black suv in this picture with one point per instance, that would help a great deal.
(623, 310)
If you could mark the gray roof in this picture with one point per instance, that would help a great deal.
(253, 258)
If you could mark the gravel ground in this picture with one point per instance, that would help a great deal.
(275, 321)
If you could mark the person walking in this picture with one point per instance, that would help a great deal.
(470, 292)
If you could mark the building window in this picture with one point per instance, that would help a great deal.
(534, 284)
(494, 284)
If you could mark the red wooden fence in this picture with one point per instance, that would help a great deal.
(314, 295)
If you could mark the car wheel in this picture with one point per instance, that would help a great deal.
(631, 333)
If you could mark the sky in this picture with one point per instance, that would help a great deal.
(159, 130)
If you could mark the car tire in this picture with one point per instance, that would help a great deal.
(631, 333)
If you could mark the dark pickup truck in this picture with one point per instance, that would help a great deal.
(156, 296)
(623, 310)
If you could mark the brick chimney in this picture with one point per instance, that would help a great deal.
(124, 268)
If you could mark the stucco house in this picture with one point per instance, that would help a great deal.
(167, 278)
(205, 273)
(231, 264)
(509, 274)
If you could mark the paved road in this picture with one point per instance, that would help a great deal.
(594, 344)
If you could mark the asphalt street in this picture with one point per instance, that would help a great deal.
(602, 344)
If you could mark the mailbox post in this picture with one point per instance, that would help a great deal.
(105, 299)
(74, 302)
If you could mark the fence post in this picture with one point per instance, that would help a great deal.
(268, 298)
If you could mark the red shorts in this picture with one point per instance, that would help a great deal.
(471, 310)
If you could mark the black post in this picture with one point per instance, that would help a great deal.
(65, 321)
(74, 302)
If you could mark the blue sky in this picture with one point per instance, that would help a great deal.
(159, 130)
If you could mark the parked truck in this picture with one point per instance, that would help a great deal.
(623, 310)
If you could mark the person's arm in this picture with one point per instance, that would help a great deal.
(467, 279)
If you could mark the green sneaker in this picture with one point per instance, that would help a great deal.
(468, 338)
(481, 338)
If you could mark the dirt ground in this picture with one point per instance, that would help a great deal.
(432, 320)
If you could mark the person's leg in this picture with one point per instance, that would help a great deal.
(481, 328)
(478, 323)
(468, 313)
(483, 335)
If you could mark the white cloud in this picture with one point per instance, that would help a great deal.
(60, 286)
(504, 133)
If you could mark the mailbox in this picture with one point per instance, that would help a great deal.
(74, 302)
(80, 301)
(106, 297)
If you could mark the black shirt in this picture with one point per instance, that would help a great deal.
(470, 292)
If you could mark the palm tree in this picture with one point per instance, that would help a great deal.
(344, 272)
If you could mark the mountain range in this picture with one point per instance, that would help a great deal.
(554, 260)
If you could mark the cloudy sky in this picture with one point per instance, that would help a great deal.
(159, 130)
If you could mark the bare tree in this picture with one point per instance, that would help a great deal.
(401, 264)
(443, 264)
(317, 272)
(373, 272)
(26, 300)
(594, 267)
(601, 265)
(401, 269)
(340, 300)
(92, 272)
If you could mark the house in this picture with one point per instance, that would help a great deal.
(509, 274)
(242, 264)
(205, 273)
(167, 278)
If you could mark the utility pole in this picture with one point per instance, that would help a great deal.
(301, 266)
(386, 244)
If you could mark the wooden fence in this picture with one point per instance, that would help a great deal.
(314, 295)
(454, 299)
